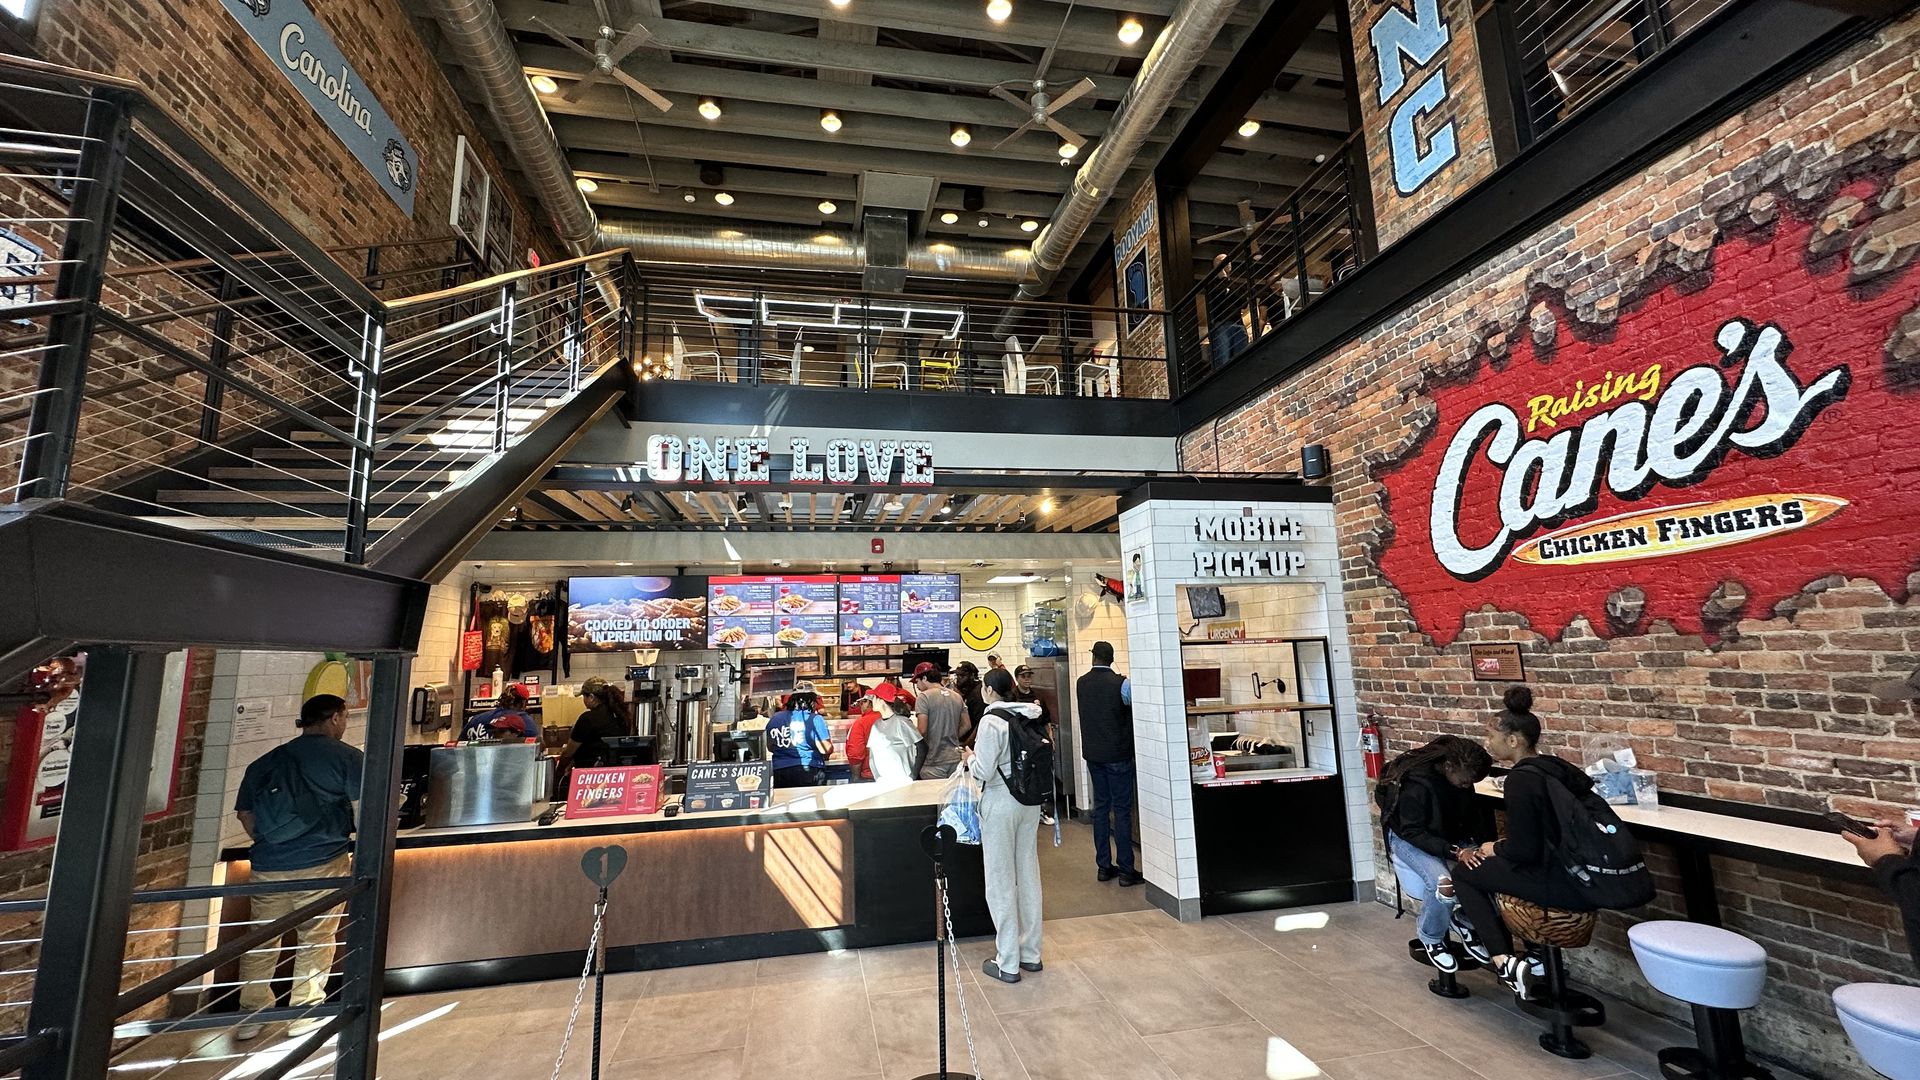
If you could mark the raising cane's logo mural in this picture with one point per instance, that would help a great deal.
(1750, 429)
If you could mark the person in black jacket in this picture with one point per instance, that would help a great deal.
(1427, 818)
(1103, 701)
(1896, 866)
(1518, 865)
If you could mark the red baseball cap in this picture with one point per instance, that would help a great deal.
(887, 692)
(926, 670)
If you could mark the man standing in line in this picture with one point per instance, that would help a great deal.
(1105, 697)
(941, 715)
(296, 802)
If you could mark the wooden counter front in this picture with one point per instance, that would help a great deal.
(489, 901)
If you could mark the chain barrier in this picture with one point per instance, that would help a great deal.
(580, 992)
(959, 987)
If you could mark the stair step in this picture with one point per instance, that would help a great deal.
(286, 456)
(247, 475)
(182, 497)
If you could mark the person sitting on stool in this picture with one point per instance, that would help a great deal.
(1426, 818)
(1896, 866)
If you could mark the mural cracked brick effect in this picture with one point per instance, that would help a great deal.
(1703, 457)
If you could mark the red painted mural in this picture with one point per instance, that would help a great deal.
(1733, 437)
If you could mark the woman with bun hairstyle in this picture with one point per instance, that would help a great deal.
(1519, 865)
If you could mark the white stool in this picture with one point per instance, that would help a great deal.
(1883, 1020)
(1718, 973)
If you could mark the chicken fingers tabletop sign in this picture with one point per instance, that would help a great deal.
(1761, 429)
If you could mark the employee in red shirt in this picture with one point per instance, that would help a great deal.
(864, 717)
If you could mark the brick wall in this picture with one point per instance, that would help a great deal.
(1779, 670)
(162, 863)
(1458, 119)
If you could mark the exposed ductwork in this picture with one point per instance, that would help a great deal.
(1163, 74)
(763, 247)
(474, 30)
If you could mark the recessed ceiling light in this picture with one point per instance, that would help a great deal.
(806, 348)
(1067, 150)
(1318, 158)
(709, 108)
(947, 507)
(985, 222)
(950, 218)
(1130, 30)
(893, 505)
(544, 85)
(1029, 225)
(1046, 506)
(1249, 129)
(960, 136)
(623, 564)
(723, 198)
(830, 121)
(840, 3)
(586, 186)
(828, 206)
(999, 10)
(691, 197)
(1023, 578)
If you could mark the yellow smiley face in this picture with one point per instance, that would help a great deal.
(980, 628)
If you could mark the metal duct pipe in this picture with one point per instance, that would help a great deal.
(474, 30)
(799, 248)
(1168, 66)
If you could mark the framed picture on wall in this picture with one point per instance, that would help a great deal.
(471, 189)
(1139, 286)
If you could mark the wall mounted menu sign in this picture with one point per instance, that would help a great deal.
(614, 614)
(633, 789)
(893, 609)
(761, 612)
(726, 785)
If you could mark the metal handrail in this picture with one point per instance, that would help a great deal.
(724, 281)
(493, 284)
(1336, 161)
(197, 892)
(27, 1050)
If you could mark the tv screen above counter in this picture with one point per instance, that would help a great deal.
(616, 614)
(892, 609)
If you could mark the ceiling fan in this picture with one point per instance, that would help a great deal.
(1248, 223)
(606, 56)
(1040, 106)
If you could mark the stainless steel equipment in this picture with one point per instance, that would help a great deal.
(1051, 679)
(646, 695)
(481, 784)
(693, 711)
(431, 707)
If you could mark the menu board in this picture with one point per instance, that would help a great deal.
(614, 614)
(763, 612)
(894, 609)
(631, 789)
(727, 785)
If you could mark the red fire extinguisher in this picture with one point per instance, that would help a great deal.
(1370, 746)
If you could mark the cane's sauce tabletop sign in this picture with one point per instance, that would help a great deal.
(1747, 431)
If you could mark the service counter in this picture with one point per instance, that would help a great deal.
(821, 868)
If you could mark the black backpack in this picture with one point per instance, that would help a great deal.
(1030, 778)
(285, 806)
(1596, 848)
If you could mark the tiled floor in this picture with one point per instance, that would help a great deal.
(1323, 992)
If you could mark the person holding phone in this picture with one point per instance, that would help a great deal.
(1887, 847)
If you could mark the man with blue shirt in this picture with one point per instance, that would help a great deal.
(799, 742)
(297, 804)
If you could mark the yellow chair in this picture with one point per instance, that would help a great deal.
(937, 372)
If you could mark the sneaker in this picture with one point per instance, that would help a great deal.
(992, 968)
(1469, 941)
(1442, 958)
(1130, 878)
(1046, 819)
(1035, 966)
(307, 1026)
(1514, 975)
(248, 1032)
(1536, 967)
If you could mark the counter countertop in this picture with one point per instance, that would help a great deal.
(789, 805)
(1267, 776)
(1726, 829)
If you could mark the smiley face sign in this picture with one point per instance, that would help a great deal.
(980, 628)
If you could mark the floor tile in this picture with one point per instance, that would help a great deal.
(685, 1024)
(1190, 939)
(808, 967)
(1082, 1042)
(1222, 1053)
(910, 1042)
(1062, 983)
(703, 1065)
(801, 1026)
(1424, 1062)
(698, 978)
(899, 968)
(1316, 1018)
(1159, 994)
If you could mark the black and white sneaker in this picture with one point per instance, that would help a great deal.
(1515, 974)
(1470, 941)
(1536, 967)
(1442, 958)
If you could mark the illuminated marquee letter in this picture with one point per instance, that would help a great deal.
(753, 460)
(664, 461)
(804, 471)
(843, 461)
(917, 463)
(707, 462)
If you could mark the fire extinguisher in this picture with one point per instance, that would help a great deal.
(1370, 746)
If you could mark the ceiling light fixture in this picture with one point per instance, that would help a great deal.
(849, 506)
(1130, 30)
(741, 501)
(947, 507)
(1250, 128)
(544, 85)
(840, 3)
(893, 505)
(586, 186)
(999, 10)
(691, 197)
(828, 206)
(723, 198)
(985, 222)
(1067, 150)
(1029, 225)
(626, 504)
(1026, 577)
(709, 108)
(950, 218)
(830, 121)
(1046, 506)
(959, 136)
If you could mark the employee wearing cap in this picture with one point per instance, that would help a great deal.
(941, 715)
(606, 718)
(799, 742)
(508, 719)
(865, 714)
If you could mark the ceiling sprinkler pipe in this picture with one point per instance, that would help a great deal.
(1163, 74)
(762, 247)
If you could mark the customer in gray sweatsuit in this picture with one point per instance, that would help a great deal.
(1009, 836)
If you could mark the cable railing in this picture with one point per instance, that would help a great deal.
(177, 351)
(1286, 263)
(746, 332)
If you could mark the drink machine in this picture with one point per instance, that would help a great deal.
(646, 695)
(431, 707)
(691, 712)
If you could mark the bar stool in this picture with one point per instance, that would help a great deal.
(1444, 983)
(1563, 1008)
(1883, 1020)
(1718, 973)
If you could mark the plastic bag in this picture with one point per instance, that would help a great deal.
(960, 807)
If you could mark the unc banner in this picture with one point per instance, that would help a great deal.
(302, 50)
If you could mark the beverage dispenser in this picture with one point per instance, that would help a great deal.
(646, 696)
(692, 711)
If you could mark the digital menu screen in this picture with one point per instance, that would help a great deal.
(895, 609)
(763, 612)
(614, 614)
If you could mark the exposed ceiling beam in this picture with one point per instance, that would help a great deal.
(803, 210)
(1032, 25)
(848, 33)
(1325, 114)
(758, 46)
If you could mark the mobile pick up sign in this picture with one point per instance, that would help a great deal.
(632, 789)
(1709, 455)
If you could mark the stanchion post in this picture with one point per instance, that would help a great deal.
(934, 840)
